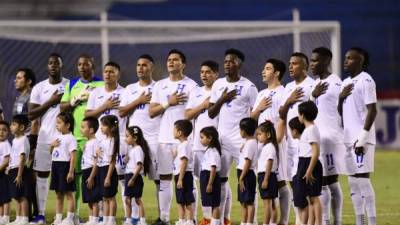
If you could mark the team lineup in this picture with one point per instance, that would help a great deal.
(88, 137)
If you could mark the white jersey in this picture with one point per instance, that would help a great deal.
(355, 109)
(106, 152)
(161, 92)
(89, 153)
(328, 119)
(184, 150)
(268, 152)
(271, 113)
(306, 85)
(19, 146)
(232, 112)
(197, 96)
(211, 158)
(309, 135)
(135, 156)
(62, 153)
(97, 98)
(40, 94)
(141, 117)
(249, 151)
(5, 150)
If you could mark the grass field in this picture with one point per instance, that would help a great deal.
(386, 181)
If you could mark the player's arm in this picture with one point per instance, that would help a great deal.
(184, 163)
(264, 104)
(21, 167)
(342, 97)
(268, 169)
(213, 173)
(110, 171)
(193, 113)
(107, 105)
(4, 165)
(215, 108)
(130, 108)
(157, 109)
(371, 115)
(36, 110)
(280, 130)
(294, 97)
(70, 176)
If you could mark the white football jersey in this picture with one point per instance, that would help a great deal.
(68, 144)
(271, 113)
(41, 93)
(19, 146)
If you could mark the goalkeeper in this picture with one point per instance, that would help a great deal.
(75, 100)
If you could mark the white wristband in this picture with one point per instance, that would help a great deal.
(165, 105)
(362, 138)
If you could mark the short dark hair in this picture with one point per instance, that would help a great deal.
(5, 123)
(324, 52)
(146, 56)
(113, 64)
(212, 64)
(67, 118)
(294, 124)
(309, 110)
(185, 126)
(56, 55)
(301, 55)
(21, 119)
(278, 66)
(180, 53)
(248, 125)
(93, 122)
(364, 53)
(234, 51)
(89, 57)
(28, 75)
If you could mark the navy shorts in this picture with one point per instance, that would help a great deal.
(301, 190)
(111, 191)
(250, 183)
(5, 195)
(136, 190)
(271, 191)
(90, 195)
(212, 199)
(185, 195)
(59, 172)
(23, 189)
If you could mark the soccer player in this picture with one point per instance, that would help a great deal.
(75, 100)
(44, 105)
(266, 107)
(297, 91)
(135, 106)
(197, 110)
(357, 105)
(325, 94)
(232, 98)
(169, 100)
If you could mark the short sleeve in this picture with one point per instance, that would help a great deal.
(212, 161)
(249, 150)
(7, 148)
(35, 95)
(139, 156)
(313, 135)
(252, 95)
(214, 93)
(369, 90)
(284, 96)
(192, 103)
(27, 147)
(155, 97)
(125, 97)
(67, 94)
(72, 146)
(91, 104)
(270, 152)
(183, 151)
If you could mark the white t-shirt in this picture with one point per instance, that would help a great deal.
(309, 135)
(19, 146)
(89, 153)
(68, 144)
(40, 94)
(232, 112)
(197, 96)
(106, 152)
(5, 150)
(355, 109)
(271, 113)
(267, 152)
(141, 117)
(328, 119)
(162, 90)
(249, 151)
(306, 85)
(184, 150)
(97, 98)
(211, 158)
(135, 156)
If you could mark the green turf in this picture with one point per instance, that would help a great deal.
(386, 181)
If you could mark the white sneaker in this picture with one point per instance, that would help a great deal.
(15, 222)
(67, 221)
(22, 222)
(3, 221)
(140, 223)
(111, 223)
(127, 223)
(101, 223)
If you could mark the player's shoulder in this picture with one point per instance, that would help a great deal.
(190, 81)
(366, 77)
(41, 84)
(247, 82)
(132, 86)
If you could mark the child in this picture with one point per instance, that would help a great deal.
(267, 168)
(245, 170)
(307, 183)
(90, 185)
(138, 163)
(108, 178)
(183, 171)
(63, 151)
(5, 197)
(210, 182)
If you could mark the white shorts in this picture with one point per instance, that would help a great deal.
(282, 162)
(153, 175)
(330, 156)
(363, 163)
(42, 159)
(197, 159)
(226, 162)
(165, 158)
(292, 161)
